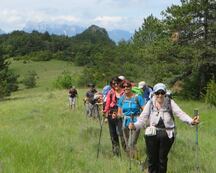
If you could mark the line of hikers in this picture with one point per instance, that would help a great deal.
(128, 108)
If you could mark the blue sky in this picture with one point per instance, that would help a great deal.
(110, 14)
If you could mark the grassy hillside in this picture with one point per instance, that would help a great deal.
(47, 71)
(39, 134)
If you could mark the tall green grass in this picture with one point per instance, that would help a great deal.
(39, 133)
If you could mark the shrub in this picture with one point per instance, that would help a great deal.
(30, 79)
(210, 96)
(65, 80)
(41, 56)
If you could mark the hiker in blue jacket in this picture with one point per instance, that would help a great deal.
(130, 106)
(147, 91)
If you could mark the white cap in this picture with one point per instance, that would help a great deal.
(121, 77)
(159, 86)
(141, 84)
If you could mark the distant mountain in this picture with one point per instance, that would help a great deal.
(51, 28)
(72, 30)
(118, 35)
(94, 34)
(1, 32)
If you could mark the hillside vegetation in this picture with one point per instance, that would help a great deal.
(47, 72)
(180, 49)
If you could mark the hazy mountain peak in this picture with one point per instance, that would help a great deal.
(72, 30)
(2, 32)
(53, 28)
(96, 29)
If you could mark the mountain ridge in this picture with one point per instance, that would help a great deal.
(71, 30)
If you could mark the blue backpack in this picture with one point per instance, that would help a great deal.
(105, 91)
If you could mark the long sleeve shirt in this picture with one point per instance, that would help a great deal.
(150, 116)
(111, 100)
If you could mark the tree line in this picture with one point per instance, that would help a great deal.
(179, 49)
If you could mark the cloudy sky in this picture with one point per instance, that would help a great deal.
(110, 14)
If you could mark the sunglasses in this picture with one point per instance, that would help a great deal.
(115, 83)
(126, 86)
(160, 92)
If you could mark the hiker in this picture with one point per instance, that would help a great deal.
(72, 93)
(146, 90)
(158, 117)
(110, 111)
(91, 106)
(130, 106)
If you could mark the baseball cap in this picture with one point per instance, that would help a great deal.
(141, 84)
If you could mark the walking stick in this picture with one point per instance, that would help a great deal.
(196, 113)
(130, 149)
(100, 134)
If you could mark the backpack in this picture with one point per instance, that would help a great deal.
(105, 91)
(167, 106)
(137, 90)
(136, 100)
(127, 119)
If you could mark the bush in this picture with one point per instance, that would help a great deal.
(30, 79)
(65, 80)
(210, 96)
(12, 83)
(41, 56)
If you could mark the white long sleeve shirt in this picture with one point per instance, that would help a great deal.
(150, 116)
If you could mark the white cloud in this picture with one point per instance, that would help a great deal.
(118, 22)
(111, 14)
(109, 19)
(13, 19)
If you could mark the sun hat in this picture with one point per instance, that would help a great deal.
(159, 86)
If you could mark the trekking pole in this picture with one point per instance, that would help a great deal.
(100, 134)
(101, 128)
(130, 149)
(85, 108)
(196, 113)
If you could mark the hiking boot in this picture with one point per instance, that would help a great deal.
(116, 151)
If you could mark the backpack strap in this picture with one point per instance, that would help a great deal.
(167, 105)
(137, 101)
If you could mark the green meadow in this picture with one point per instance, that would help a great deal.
(40, 134)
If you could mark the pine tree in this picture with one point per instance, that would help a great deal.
(195, 23)
(3, 75)
(8, 80)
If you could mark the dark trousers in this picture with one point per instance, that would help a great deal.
(115, 129)
(158, 148)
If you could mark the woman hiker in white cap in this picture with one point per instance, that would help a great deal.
(157, 116)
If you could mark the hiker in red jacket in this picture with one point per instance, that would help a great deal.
(110, 111)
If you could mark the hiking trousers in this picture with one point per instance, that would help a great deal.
(115, 129)
(92, 110)
(130, 140)
(158, 147)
